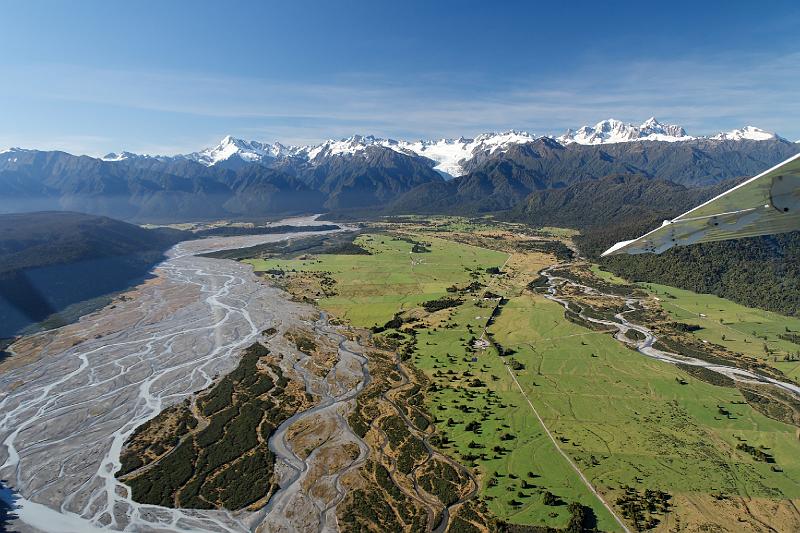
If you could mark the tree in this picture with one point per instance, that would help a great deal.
(548, 498)
(473, 426)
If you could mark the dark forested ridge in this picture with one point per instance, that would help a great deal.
(759, 272)
(699, 162)
(620, 199)
(376, 179)
(50, 260)
(507, 179)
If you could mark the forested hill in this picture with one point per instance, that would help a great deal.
(506, 180)
(759, 272)
(615, 199)
(50, 260)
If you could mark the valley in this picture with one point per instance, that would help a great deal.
(399, 267)
(494, 351)
(414, 373)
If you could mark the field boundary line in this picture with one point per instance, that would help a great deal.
(565, 456)
(549, 434)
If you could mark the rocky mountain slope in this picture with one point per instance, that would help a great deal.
(493, 172)
(507, 179)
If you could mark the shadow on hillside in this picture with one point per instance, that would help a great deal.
(7, 503)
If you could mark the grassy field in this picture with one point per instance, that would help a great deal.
(738, 328)
(528, 465)
(628, 420)
(559, 232)
(371, 288)
(444, 223)
(605, 275)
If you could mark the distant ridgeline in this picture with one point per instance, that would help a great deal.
(50, 261)
(240, 179)
(609, 191)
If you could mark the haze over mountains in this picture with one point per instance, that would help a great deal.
(494, 171)
(50, 260)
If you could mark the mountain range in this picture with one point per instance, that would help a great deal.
(451, 157)
(491, 172)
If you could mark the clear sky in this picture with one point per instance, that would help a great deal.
(169, 76)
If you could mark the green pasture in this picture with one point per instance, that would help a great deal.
(559, 232)
(371, 288)
(738, 328)
(627, 420)
(530, 451)
(445, 223)
(607, 276)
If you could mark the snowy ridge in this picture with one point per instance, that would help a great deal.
(121, 156)
(615, 131)
(450, 157)
(357, 144)
(250, 151)
(750, 133)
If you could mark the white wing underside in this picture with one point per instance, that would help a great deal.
(766, 204)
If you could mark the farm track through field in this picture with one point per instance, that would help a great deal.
(566, 457)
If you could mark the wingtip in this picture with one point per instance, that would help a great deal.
(616, 248)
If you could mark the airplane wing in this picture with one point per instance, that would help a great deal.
(766, 204)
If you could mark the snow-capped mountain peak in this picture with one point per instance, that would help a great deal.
(615, 131)
(450, 157)
(750, 133)
(652, 126)
(231, 146)
(651, 122)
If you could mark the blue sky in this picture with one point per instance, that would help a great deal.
(168, 77)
